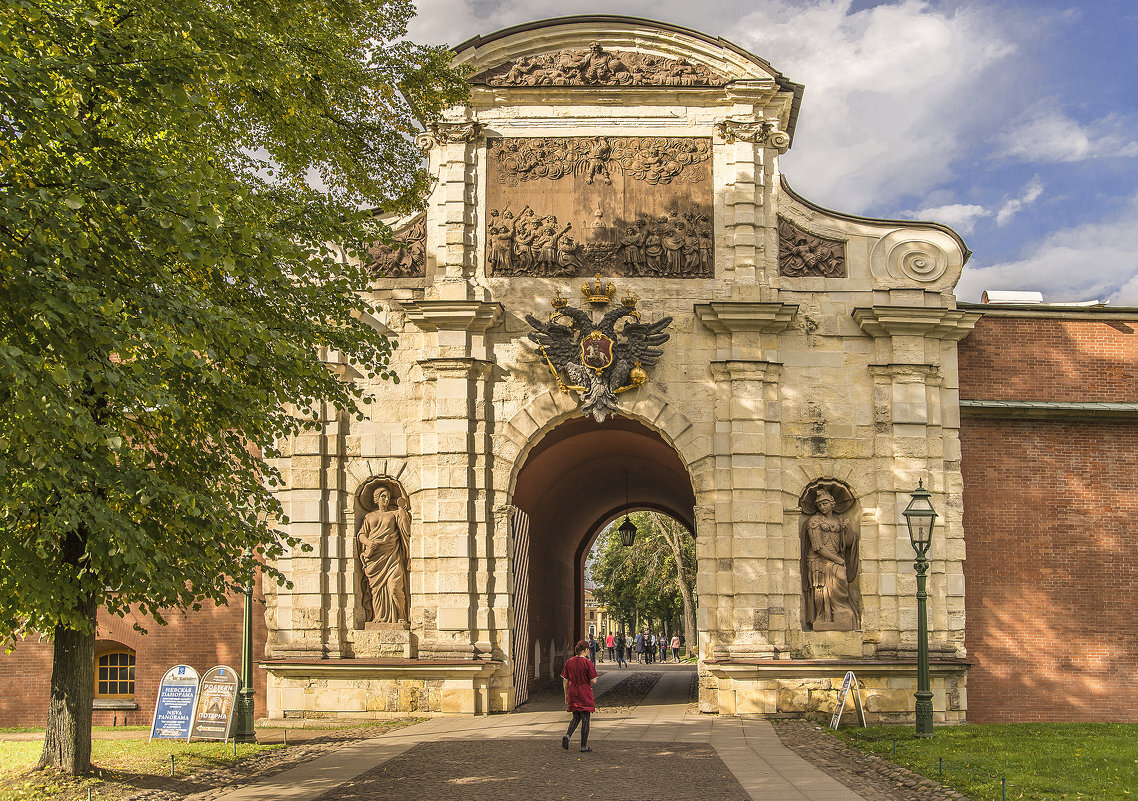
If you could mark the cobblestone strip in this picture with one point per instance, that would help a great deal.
(626, 695)
(871, 776)
(261, 766)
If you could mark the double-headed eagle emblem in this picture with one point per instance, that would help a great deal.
(598, 360)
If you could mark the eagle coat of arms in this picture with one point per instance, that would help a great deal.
(598, 360)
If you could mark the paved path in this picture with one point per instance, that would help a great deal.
(659, 751)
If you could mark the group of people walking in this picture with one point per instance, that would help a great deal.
(648, 648)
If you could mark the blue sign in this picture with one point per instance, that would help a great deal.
(174, 709)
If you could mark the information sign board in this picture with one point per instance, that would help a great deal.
(214, 714)
(174, 709)
(843, 694)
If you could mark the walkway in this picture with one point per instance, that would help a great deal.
(659, 751)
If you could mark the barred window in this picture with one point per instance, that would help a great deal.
(114, 675)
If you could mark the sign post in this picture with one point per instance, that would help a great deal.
(214, 714)
(850, 680)
(174, 708)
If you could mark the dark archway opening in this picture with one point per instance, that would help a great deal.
(571, 485)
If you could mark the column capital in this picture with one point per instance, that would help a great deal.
(745, 370)
(915, 321)
(452, 315)
(729, 317)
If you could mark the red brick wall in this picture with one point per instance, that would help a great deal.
(211, 636)
(1051, 525)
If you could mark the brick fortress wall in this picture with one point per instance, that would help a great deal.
(1050, 506)
(202, 639)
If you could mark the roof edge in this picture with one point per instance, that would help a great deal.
(876, 220)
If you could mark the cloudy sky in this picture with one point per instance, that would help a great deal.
(1014, 122)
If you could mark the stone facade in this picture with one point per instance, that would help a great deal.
(772, 379)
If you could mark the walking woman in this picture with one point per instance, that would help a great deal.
(578, 679)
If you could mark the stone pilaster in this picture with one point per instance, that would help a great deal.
(916, 400)
(749, 616)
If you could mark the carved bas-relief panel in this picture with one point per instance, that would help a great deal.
(803, 254)
(633, 206)
(599, 67)
(831, 537)
(406, 257)
(383, 553)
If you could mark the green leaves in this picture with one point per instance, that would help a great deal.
(162, 303)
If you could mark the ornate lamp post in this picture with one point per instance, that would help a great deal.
(627, 529)
(244, 732)
(919, 517)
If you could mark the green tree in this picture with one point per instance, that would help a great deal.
(169, 304)
(653, 578)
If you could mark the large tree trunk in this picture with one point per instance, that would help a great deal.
(67, 741)
(672, 536)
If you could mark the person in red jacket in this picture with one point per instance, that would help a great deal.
(577, 679)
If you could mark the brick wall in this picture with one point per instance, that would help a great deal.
(1050, 513)
(202, 639)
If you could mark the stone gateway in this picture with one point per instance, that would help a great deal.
(776, 376)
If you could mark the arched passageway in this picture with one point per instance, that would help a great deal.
(571, 484)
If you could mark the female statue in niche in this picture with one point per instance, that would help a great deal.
(384, 552)
(830, 545)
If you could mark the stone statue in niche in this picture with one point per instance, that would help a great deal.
(383, 548)
(830, 543)
(803, 254)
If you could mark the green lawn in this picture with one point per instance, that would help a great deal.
(1040, 761)
(124, 767)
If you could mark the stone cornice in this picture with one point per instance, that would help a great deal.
(729, 317)
(452, 315)
(927, 373)
(915, 321)
(457, 365)
(1049, 410)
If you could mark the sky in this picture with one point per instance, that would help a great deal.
(1016, 123)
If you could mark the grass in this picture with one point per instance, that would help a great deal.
(123, 767)
(1040, 761)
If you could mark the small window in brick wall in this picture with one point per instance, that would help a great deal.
(114, 675)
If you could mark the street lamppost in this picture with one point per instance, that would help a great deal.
(919, 517)
(245, 732)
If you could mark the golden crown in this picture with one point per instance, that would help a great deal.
(597, 293)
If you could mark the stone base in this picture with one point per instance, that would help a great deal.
(381, 689)
(384, 640)
(809, 688)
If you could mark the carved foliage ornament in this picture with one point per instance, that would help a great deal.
(599, 67)
(803, 254)
(405, 257)
(443, 133)
(761, 132)
(598, 360)
(598, 159)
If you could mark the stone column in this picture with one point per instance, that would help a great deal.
(748, 548)
(916, 400)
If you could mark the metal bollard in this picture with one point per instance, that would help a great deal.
(171, 766)
(285, 736)
(940, 767)
(234, 749)
(1004, 787)
(894, 746)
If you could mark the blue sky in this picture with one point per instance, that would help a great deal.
(1014, 122)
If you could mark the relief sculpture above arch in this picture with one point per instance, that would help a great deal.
(575, 206)
(599, 67)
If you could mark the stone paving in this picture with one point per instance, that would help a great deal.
(658, 750)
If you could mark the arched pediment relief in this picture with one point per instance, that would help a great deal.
(607, 52)
(880, 254)
(406, 255)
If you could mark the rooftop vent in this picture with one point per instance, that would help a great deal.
(1010, 296)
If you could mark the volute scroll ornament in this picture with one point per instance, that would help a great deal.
(761, 132)
(598, 360)
(444, 133)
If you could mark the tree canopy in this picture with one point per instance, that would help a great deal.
(169, 296)
(642, 580)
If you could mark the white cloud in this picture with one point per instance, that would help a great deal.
(1050, 136)
(960, 216)
(1086, 262)
(1013, 206)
